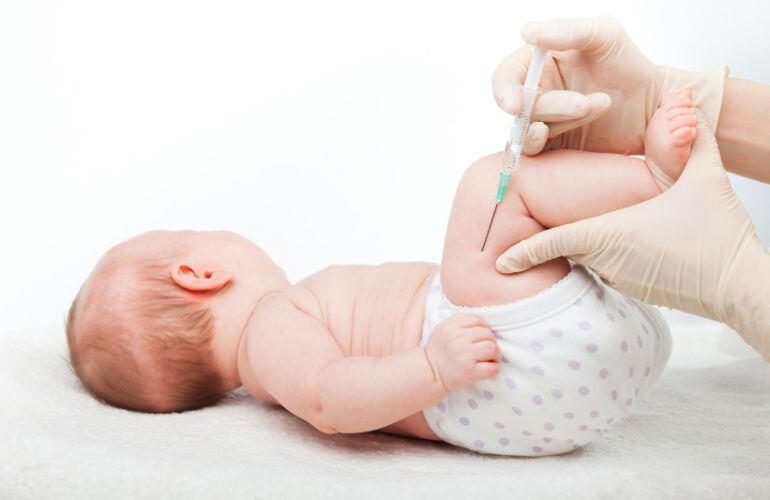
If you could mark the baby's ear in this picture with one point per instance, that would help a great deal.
(199, 278)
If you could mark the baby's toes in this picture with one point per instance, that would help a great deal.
(683, 98)
(683, 136)
(682, 120)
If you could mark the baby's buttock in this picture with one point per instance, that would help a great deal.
(575, 360)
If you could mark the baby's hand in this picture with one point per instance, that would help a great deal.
(462, 350)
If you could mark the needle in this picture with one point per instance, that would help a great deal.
(518, 132)
(490, 227)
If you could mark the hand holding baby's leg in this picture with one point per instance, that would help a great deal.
(669, 138)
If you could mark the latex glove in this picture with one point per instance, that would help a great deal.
(692, 248)
(595, 74)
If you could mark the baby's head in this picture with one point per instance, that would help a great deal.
(157, 325)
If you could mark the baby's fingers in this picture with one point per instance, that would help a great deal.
(479, 334)
(486, 351)
(485, 369)
(467, 320)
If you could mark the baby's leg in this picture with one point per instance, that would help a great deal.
(669, 137)
(549, 190)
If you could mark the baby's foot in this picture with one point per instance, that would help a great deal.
(669, 137)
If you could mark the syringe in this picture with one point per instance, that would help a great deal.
(518, 130)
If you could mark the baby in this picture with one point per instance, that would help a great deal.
(532, 364)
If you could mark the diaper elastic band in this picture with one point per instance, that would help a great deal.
(553, 299)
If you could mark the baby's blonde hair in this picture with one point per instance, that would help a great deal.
(146, 346)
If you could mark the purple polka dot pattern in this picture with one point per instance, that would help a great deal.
(561, 376)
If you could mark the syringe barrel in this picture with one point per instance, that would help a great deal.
(528, 97)
(535, 68)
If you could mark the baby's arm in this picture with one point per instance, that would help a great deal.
(298, 362)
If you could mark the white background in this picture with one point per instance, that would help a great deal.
(326, 132)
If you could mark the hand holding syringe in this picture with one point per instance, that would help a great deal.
(518, 130)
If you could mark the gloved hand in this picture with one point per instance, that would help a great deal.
(595, 74)
(692, 248)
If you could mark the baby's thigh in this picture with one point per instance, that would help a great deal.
(468, 275)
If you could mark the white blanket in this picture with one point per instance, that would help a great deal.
(702, 432)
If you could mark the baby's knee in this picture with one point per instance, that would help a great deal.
(468, 275)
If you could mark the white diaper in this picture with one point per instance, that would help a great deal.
(576, 358)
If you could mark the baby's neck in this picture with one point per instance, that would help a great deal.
(246, 372)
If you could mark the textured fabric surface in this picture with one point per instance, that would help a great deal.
(702, 432)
